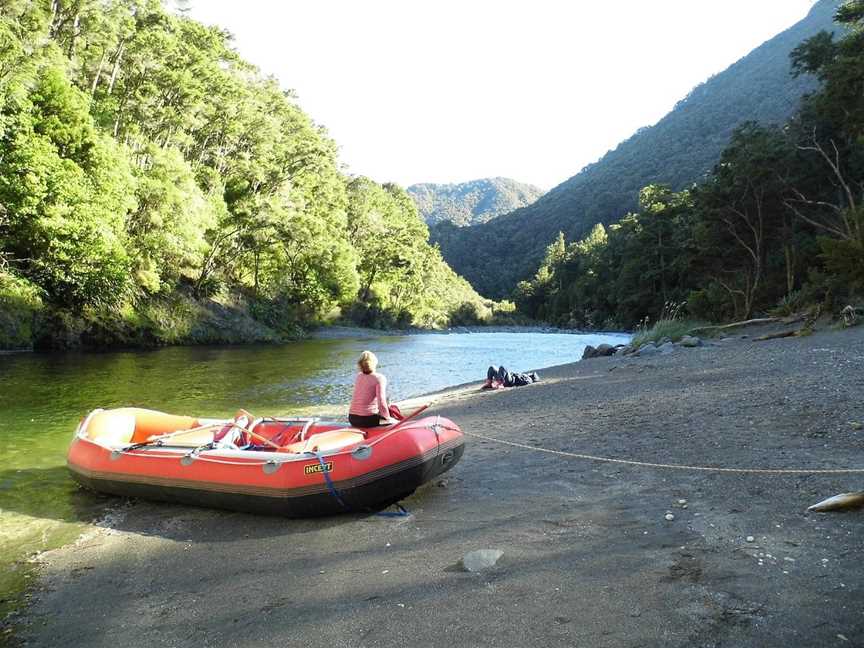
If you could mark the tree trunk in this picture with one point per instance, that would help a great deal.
(74, 35)
(662, 267)
(255, 280)
(118, 57)
(55, 7)
(368, 287)
(98, 74)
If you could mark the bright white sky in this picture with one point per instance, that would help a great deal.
(455, 90)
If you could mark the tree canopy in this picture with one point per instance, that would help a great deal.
(144, 159)
(778, 222)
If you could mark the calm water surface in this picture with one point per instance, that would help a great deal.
(42, 398)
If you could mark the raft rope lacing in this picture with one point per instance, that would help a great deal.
(648, 464)
(197, 456)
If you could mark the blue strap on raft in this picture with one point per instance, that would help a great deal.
(401, 512)
(330, 486)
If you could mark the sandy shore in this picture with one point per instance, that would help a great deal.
(589, 558)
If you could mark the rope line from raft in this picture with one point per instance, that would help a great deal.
(647, 464)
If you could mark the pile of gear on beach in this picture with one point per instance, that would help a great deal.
(501, 377)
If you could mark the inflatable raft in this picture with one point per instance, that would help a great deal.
(298, 467)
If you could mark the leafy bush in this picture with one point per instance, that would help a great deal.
(372, 315)
(711, 304)
(20, 308)
(468, 314)
(788, 304)
(844, 260)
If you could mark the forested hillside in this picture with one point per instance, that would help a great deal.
(471, 203)
(677, 151)
(777, 226)
(156, 188)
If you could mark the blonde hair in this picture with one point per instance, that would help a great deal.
(367, 362)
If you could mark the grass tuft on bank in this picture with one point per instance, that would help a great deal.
(671, 325)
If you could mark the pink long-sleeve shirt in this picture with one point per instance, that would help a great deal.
(370, 395)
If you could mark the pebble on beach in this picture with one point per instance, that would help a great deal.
(475, 561)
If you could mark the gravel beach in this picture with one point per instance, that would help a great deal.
(592, 553)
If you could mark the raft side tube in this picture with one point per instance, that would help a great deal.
(364, 497)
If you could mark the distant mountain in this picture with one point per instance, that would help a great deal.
(679, 150)
(471, 203)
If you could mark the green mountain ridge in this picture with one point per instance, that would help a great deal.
(471, 203)
(678, 151)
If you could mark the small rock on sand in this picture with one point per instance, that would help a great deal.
(481, 559)
(601, 351)
(605, 350)
(646, 349)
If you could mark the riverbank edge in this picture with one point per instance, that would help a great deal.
(182, 319)
(359, 332)
(85, 339)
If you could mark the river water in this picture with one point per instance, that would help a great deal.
(43, 396)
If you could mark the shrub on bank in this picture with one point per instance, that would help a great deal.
(180, 319)
(174, 319)
(672, 325)
(470, 314)
(672, 329)
(20, 310)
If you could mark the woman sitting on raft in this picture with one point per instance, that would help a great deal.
(369, 407)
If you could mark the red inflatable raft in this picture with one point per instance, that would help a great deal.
(293, 467)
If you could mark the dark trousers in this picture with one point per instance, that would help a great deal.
(509, 378)
(373, 420)
(501, 375)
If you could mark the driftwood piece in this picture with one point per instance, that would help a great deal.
(806, 329)
(777, 336)
(723, 327)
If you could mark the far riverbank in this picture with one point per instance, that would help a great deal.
(356, 332)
